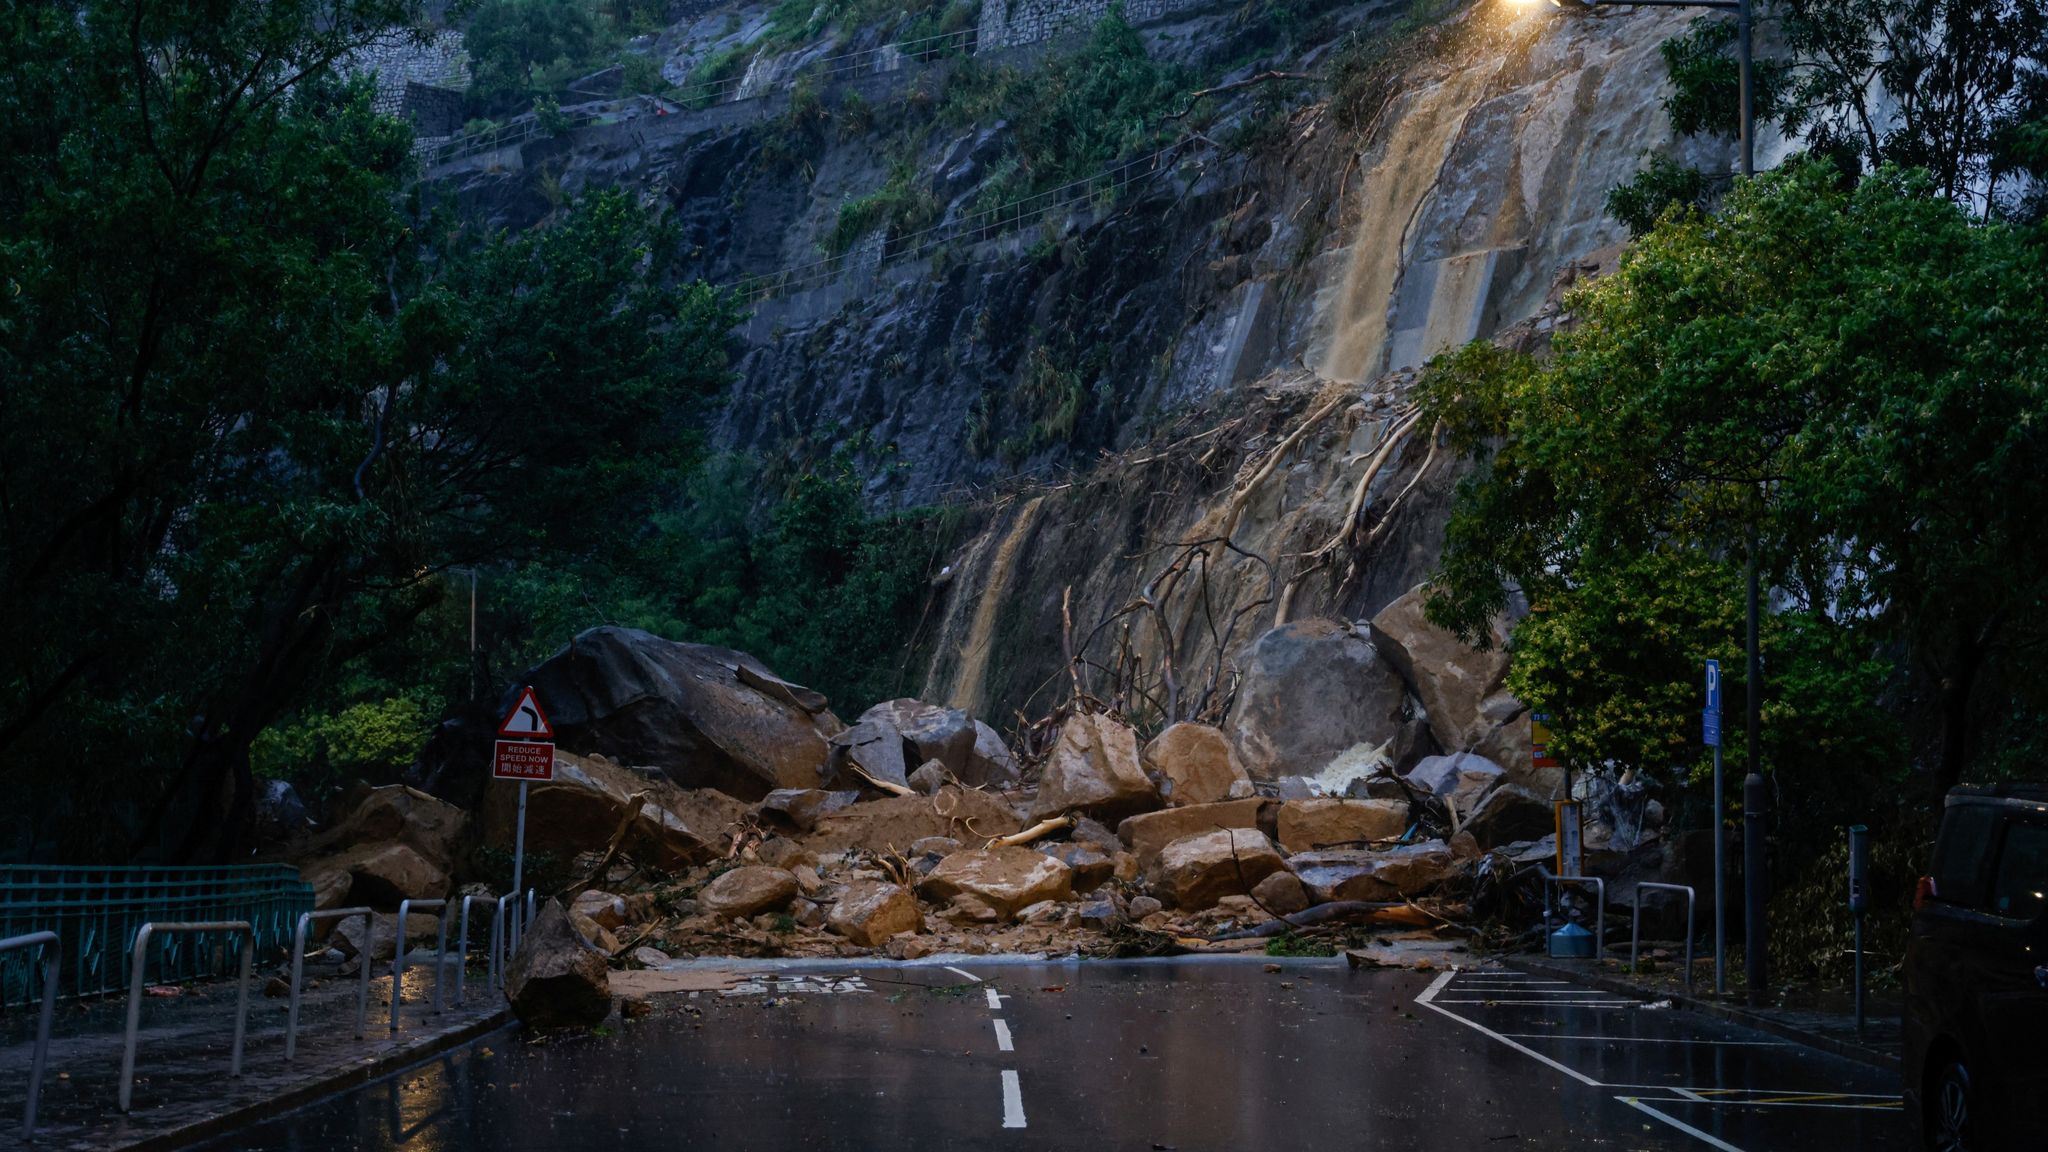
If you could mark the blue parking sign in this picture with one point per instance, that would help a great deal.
(1714, 687)
(1710, 728)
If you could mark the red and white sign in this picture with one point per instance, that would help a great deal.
(526, 721)
(523, 760)
(529, 754)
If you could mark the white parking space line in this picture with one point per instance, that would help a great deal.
(1013, 1100)
(1710, 1140)
(963, 972)
(1003, 1037)
(1648, 1040)
(1428, 1000)
(1549, 1003)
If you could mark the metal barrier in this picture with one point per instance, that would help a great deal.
(1635, 929)
(399, 950)
(97, 913)
(141, 956)
(291, 1025)
(501, 934)
(53, 953)
(1599, 887)
(462, 946)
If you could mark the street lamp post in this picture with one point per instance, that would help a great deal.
(1755, 800)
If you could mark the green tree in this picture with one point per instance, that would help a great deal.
(1848, 377)
(520, 49)
(256, 407)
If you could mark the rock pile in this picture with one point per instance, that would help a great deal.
(712, 807)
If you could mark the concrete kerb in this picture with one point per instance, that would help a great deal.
(1863, 1054)
(423, 1047)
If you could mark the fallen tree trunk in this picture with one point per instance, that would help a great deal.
(1370, 911)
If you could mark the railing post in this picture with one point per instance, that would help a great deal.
(247, 933)
(53, 970)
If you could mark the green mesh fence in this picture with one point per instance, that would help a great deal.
(96, 912)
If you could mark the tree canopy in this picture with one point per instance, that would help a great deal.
(1852, 379)
(259, 402)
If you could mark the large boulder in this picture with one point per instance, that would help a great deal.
(871, 911)
(965, 814)
(1305, 825)
(1353, 874)
(557, 979)
(1006, 879)
(1091, 866)
(1149, 833)
(381, 944)
(1199, 764)
(1094, 770)
(1313, 690)
(1459, 685)
(379, 875)
(871, 750)
(580, 809)
(970, 750)
(397, 843)
(1194, 872)
(1462, 779)
(748, 891)
(1509, 813)
(706, 716)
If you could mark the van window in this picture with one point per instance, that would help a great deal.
(2022, 872)
(1960, 854)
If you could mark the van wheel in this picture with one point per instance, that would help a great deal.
(1952, 1110)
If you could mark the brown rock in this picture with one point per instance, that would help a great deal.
(593, 932)
(1282, 894)
(802, 808)
(780, 852)
(930, 777)
(603, 908)
(1459, 685)
(1142, 907)
(910, 947)
(1149, 833)
(634, 1008)
(935, 845)
(330, 882)
(556, 979)
(969, 909)
(869, 912)
(1509, 813)
(581, 807)
(1463, 779)
(1199, 763)
(1006, 879)
(1465, 846)
(748, 891)
(382, 874)
(903, 820)
(1091, 866)
(1355, 874)
(1094, 770)
(396, 814)
(347, 935)
(1307, 824)
(1196, 871)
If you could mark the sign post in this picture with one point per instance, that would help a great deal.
(1710, 726)
(1859, 902)
(525, 752)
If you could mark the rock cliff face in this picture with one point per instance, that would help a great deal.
(1230, 339)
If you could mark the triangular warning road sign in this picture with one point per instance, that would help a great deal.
(526, 720)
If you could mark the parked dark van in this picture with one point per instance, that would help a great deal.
(1976, 974)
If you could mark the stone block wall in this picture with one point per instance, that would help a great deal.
(401, 65)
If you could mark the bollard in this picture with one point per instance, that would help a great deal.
(291, 1022)
(141, 963)
(53, 966)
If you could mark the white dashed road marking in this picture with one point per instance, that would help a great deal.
(1013, 1101)
(995, 999)
(1003, 1037)
(963, 972)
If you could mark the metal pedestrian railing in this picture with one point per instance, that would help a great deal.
(97, 914)
(400, 948)
(1635, 930)
(143, 938)
(53, 952)
(291, 1026)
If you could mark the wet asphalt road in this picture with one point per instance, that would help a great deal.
(1124, 1055)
